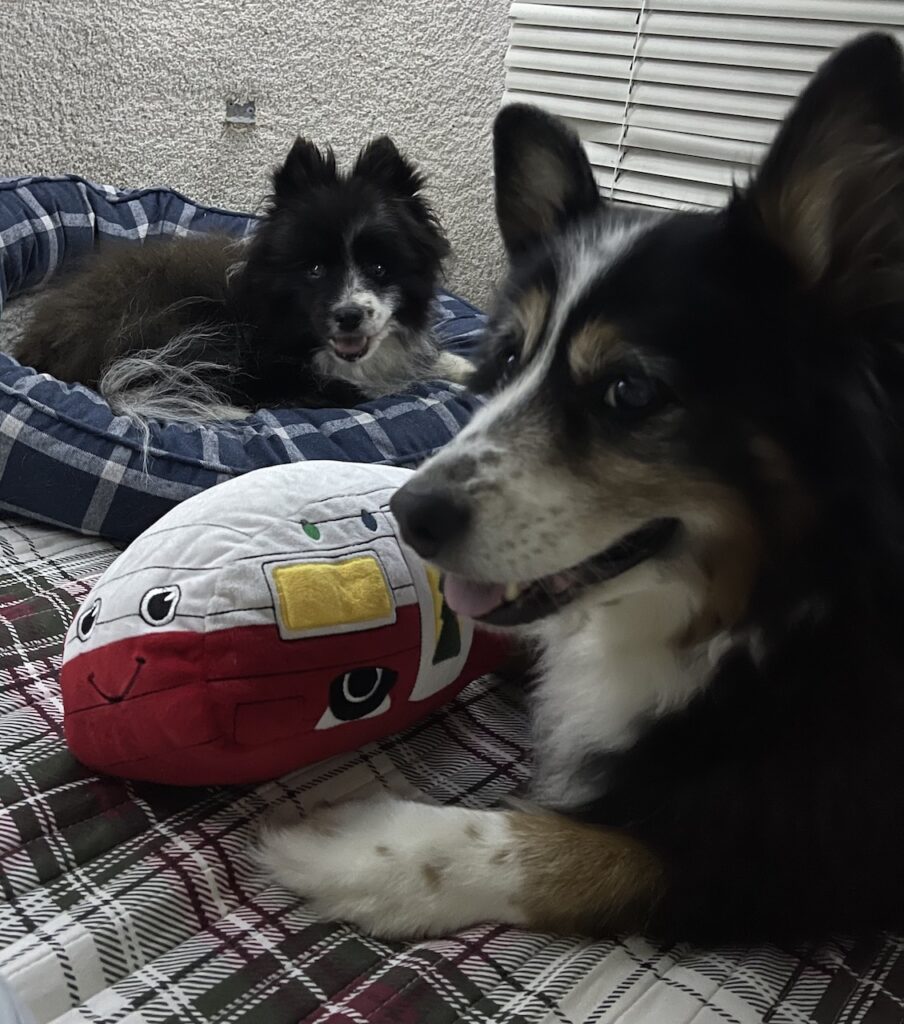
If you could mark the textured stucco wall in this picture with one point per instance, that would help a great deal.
(134, 94)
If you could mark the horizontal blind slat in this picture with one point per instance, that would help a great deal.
(667, 165)
(688, 192)
(638, 199)
(708, 146)
(714, 101)
(866, 11)
(666, 72)
(727, 53)
(697, 26)
(746, 129)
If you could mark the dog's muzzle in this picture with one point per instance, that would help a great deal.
(434, 518)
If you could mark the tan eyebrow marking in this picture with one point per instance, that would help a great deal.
(530, 313)
(590, 347)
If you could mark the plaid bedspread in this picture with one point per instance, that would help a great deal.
(138, 904)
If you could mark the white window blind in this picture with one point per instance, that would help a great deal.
(676, 100)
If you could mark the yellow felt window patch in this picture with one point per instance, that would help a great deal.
(433, 580)
(313, 595)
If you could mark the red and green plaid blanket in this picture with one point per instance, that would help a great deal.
(139, 904)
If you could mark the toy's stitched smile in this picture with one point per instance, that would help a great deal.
(116, 698)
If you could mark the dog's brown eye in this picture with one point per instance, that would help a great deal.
(377, 270)
(634, 394)
(314, 271)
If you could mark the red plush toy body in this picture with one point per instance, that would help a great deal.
(272, 621)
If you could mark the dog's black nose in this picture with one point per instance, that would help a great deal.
(348, 318)
(429, 518)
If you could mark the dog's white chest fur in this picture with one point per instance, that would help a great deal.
(610, 664)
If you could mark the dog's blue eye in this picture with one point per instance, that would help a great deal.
(315, 271)
(633, 394)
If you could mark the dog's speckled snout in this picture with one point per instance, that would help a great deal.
(431, 516)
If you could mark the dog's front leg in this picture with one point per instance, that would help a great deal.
(400, 869)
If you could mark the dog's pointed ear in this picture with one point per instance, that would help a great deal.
(830, 191)
(381, 162)
(543, 176)
(305, 167)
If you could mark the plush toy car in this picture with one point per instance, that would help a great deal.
(269, 622)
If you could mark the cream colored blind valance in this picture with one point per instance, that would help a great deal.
(676, 100)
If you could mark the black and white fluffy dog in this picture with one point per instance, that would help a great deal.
(329, 303)
(687, 491)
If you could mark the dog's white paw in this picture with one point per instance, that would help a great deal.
(400, 869)
(454, 368)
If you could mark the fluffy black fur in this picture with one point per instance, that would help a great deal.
(740, 373)
(256, 324)
(776, 798)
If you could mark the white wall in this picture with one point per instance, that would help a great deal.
(134, 94)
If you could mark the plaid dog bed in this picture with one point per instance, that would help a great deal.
(128, 903)
(66, 459)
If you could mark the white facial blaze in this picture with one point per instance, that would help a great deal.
(376, 308)
(532, 514)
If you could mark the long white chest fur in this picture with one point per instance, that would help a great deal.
(610, 664)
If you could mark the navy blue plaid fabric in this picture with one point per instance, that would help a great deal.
(66, 459)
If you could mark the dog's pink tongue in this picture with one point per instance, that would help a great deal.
(350, 345)
(465, 597)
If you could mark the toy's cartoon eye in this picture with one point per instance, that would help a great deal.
(87, 620)
(158, 606)
(360, 692)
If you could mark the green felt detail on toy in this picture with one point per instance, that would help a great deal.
(311, 530)
(449, 643)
